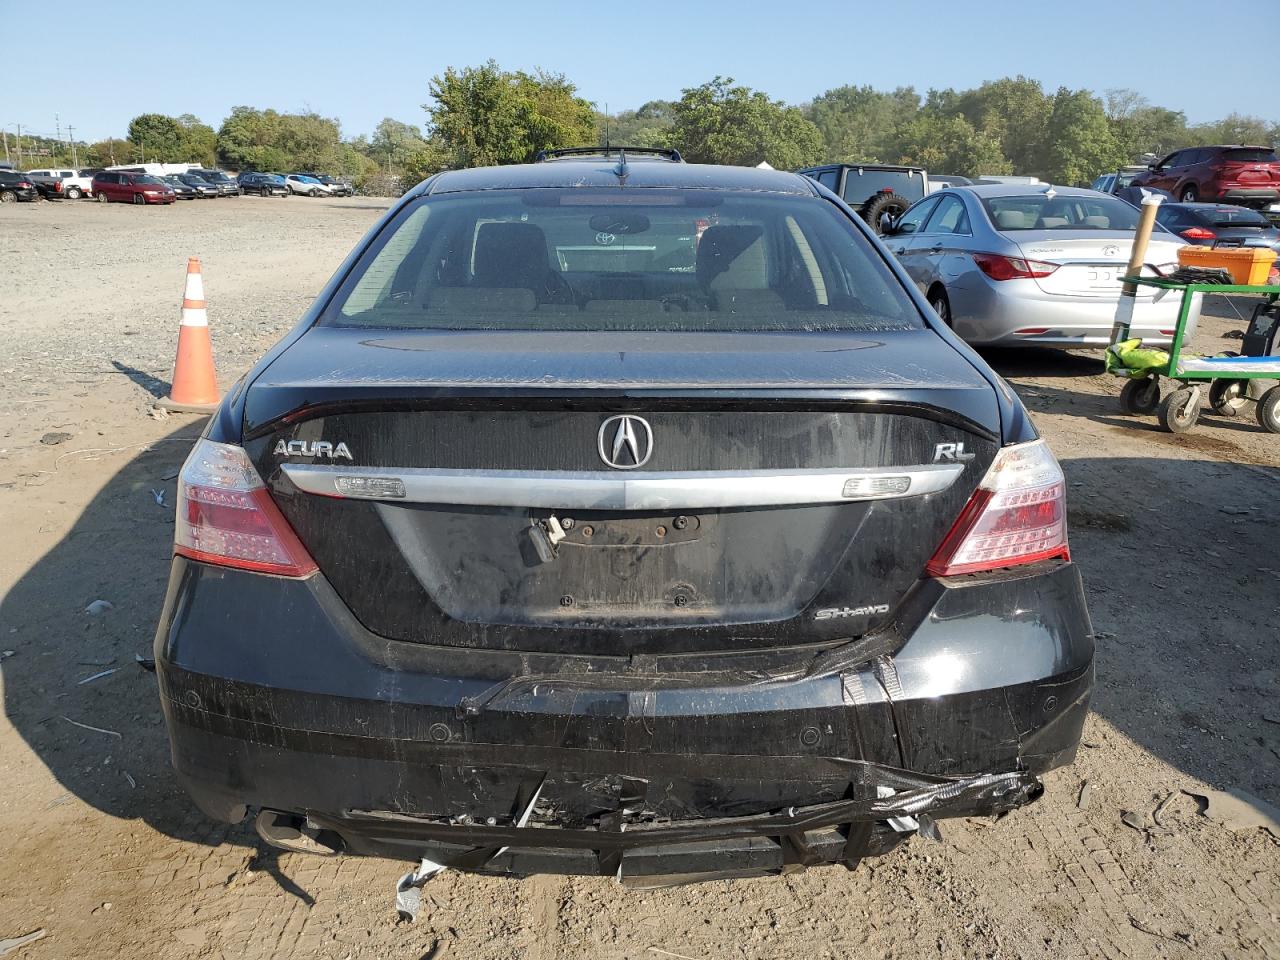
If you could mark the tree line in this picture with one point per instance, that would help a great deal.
(487, 115)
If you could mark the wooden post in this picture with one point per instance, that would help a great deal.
(1137, 257)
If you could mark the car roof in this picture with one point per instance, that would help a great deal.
(1023, 190)
(862, 166)
(598, 172)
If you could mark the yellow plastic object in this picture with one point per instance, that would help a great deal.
(1130, 358)
(1247, 265)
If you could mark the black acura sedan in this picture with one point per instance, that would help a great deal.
(616, 515)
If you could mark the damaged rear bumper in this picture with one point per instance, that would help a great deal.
(644, 768)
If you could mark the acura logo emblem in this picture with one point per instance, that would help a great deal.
(625, 442)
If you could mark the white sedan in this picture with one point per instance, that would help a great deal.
(307, 186)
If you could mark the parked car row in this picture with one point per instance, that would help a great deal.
(149, 184)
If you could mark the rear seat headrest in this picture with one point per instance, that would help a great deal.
(511, 254)
(1011, 219)
(719, 249)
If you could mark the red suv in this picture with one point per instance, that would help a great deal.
(131, 188)
(1249, 176)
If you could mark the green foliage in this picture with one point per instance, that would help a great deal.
(1079, 142)
(158, 136)
(1014, 112)
(34, 152)
(1236, 128)
(1139, 127)
(164, 139)
(950, 145)
(432, 157)
(200, 142)
(485, 115)
(861, 123)
(108, 153)
(721, 123)
(649, 126)
(254, 139)
(394, 141)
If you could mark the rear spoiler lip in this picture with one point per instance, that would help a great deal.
(371, 398)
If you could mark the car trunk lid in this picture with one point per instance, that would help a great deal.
(1250, 168)
(757, 499)
(1091, 264)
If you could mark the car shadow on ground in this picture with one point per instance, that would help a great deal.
(1041, 362)
(1179, 561)
(1212, 434)
(117, 551)
(1182, 594)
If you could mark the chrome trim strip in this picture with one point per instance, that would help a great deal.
(693, 490)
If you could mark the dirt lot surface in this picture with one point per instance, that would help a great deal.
(1177, 537)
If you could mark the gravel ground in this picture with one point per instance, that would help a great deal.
(1176, 537)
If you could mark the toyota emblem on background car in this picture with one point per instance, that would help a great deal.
(625, 442)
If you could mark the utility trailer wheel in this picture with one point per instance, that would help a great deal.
(1227, 397)
(1269, 410)
(1180, 410)
(1141, 397)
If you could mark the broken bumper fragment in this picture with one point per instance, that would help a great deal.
(650, 769)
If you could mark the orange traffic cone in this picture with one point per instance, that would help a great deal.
(195, 387)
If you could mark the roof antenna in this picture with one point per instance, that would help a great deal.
(606, 129)
(620, 171)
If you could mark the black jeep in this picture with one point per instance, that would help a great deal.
(880, 192)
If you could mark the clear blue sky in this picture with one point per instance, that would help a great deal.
(360, 62)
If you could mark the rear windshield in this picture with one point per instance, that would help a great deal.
(861, 185)
(1234, 217)
(1041, 212)
(1250, 155)
(643, 260)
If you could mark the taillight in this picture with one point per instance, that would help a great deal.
(999, 267)
(1017, 515)
(1197, 233)
(226, 516)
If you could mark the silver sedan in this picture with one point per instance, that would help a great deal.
(1007, 264)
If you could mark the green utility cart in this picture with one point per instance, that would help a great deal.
(1227, 377)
